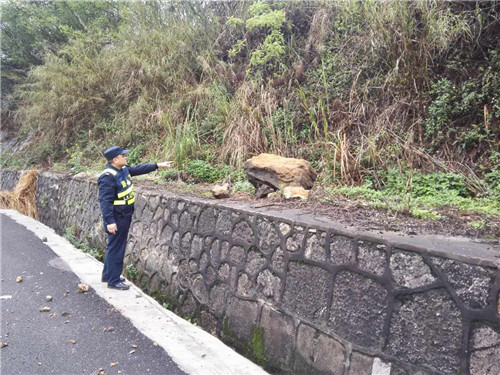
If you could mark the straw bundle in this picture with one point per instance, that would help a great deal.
(22, 197)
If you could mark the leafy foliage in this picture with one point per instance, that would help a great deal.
(203, 171)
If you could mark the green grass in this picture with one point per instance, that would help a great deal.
(429, 192)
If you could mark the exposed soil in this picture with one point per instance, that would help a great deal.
(356, 213)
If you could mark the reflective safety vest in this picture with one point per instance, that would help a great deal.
(125, 194)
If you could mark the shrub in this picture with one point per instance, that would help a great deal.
(202, 170)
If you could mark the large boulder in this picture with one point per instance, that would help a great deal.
(268, 173)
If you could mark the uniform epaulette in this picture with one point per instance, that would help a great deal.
(108, 171)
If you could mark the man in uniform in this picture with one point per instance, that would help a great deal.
(116, 198)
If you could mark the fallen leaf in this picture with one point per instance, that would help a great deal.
(45, 308)
(3, 344)
(48, 298)
(65, 314)
(72, 341)
(53, 315)
(99, 372)
(113, 364)
(19, 279)
(155, 344)
(82, 288)
(109, 329)
(134, 346)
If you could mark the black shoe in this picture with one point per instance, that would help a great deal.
(122, 279)
(119, 286)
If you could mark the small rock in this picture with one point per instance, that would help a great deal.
(3, 344)
(45, 309)
(83, 288)
(72, 341)
(113, 364)
(66, 321)
(290, 192)
(134, 346)
(19, 279)
(221, 191)
(44, 239)
(155, 344)
(53, 315)
(48, 298)
(131, 352)
(109, 329)
(65, 314)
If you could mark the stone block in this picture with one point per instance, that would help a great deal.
(381, 367)
(396, 370)
(245, 286)
(315, 247)
(241, 316)
(210, 275)
(255, 262)
(269, 285)
(371, 258)
(203, 261)
(243, 233)
(409, 270)
(472, 283)
(214, 254)
(342, 250)
(426, 330)
(237, 255)
(294, 241)
(278, 260)
(166, 234)
(279, 342)
(196, 246)
(223, 272)
(306, 291)
(284, 228)
(485, 350)
(267, 236)
(208, 321)
(174, 219)
(360, 364)
(206, 221)
(359, 309)
(199, 289)
(218, 298)
(318, 353)
(223, 224)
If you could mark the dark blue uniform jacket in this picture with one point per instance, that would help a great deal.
(108, 190)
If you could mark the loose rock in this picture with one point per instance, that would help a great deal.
(221, 191)
(82, 288)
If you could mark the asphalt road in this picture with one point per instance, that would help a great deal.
(40, 342)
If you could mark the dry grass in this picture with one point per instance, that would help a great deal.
(23, 197)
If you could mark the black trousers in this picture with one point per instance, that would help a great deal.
(115, 250)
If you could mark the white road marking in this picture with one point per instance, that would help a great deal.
(195, 351)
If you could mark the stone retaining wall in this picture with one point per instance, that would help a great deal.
(300, 294)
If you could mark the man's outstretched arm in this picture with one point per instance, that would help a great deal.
(147, 168)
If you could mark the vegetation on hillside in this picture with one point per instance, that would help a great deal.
(361, 89)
